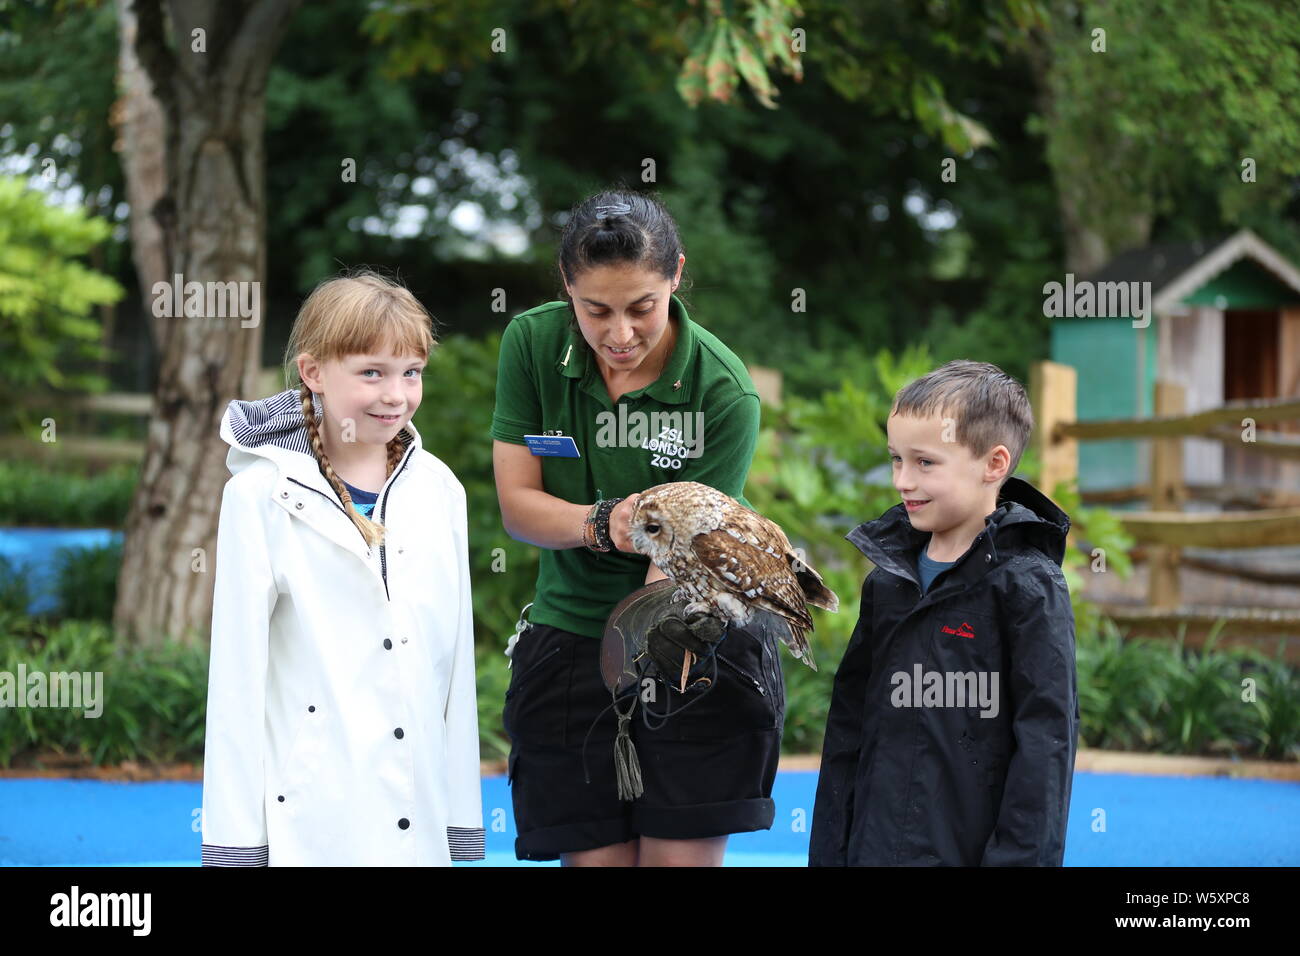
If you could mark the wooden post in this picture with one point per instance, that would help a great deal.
(1052, 394)
(767, 382)
(1167, 494)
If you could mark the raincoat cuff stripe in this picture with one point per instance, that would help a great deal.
(466, 843)
(234, 855)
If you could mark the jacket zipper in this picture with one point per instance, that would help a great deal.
(383, 519)
(750, 677)
(774, 665)
(383, 563)
(934, 596)
(319, 492)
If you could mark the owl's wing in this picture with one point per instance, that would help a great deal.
(745, 559)
(764, 533)
(625, 632)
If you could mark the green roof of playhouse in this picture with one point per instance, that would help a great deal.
(1239, 271)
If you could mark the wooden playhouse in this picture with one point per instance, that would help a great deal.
(1224, 324)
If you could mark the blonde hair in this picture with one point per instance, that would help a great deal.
(356, 313)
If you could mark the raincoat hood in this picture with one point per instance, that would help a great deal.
(1024, 517)
(274, 428)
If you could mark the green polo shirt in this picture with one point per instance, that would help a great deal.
(697, 422)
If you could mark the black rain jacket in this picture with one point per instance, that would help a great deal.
(943, 785)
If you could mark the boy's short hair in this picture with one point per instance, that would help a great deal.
(988, 405)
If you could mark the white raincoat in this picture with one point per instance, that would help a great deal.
(342, 727)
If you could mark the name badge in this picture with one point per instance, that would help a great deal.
(552, 446)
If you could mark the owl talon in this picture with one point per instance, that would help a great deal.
(696, 608)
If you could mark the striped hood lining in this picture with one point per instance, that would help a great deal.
(277, 421)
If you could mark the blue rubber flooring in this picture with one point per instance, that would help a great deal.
(1115, 820)
(34, 552)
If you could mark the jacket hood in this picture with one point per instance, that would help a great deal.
(1024, 517)
(274, 428)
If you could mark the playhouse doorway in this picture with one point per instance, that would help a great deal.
(1251, 362)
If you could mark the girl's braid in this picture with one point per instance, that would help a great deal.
(372, 531)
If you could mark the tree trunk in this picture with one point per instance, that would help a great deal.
(141, 140)
(212, 218)
(137, 116)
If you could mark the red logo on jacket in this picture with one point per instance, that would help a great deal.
(964, 631)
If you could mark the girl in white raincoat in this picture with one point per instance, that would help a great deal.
(342, 727)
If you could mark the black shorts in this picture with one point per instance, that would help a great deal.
(707, 771)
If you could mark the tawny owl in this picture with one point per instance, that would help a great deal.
(728, 559)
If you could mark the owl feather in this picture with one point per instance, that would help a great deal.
(729, 558)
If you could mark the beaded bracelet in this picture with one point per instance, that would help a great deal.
(595, 530)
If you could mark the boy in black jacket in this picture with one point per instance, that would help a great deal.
(954, 716)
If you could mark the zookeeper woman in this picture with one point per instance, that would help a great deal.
(576, 438)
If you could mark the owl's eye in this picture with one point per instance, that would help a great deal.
(652, 529)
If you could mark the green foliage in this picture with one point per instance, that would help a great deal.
(1184, 92)
(724, 246)
(15, 594)
(1206, 710)
(1136, 695)
(723, 52)
(895, 57)
(1121, 689)
(1143, 694)
(493, 681)
(45, 495)
(810, 476)
(46, 297)
(86, 582)
(154, 700)
(58, 60)
(453, 420)
(1277, 687)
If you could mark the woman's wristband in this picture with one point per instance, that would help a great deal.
(595, 530)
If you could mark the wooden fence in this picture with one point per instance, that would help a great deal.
(1163, 531)
(73, 446)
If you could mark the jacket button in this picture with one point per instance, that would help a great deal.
(398, 733)
(284, 494)
(311, 709)
(988, 557)
(403, 824)
(388, 645)
(401, 550)
(298, 505)
(280, 798)
(403, 640)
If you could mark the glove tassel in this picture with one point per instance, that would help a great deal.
(627, 768)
